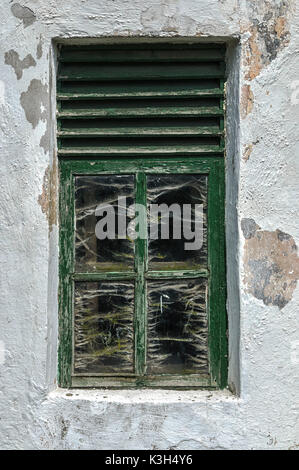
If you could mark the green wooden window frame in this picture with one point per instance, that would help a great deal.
(85, 161)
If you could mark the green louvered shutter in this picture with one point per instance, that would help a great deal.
(140, 101)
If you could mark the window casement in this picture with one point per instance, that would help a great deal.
(141, 127)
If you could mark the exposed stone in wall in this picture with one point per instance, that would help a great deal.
(247, 152)
(12, 58)
(267, 25)
(23, 13)
(271, 264)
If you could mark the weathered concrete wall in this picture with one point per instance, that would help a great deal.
(262, 227)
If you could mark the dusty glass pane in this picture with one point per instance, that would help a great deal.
(104, 327)
(177, 327)
(92, 253)
(180, 240)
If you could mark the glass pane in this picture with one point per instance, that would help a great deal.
(104, 327)
(177, 327)
(95, 194)
(178, 227)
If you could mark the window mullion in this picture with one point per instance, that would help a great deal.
(140, 288)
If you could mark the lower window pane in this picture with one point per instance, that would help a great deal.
(104, 327)
(177, 327)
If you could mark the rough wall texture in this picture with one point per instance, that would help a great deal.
(262, 227)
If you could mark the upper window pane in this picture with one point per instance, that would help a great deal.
(178, 221)
(93, 194)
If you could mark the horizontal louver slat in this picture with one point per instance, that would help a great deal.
(92, 55)
(140, 89)
(138, 112)
(140, 101)
(136, 150)
(123, 94)
(87, 71)
(147, 131)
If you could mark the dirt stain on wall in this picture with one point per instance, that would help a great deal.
(48, 197)
(247, 100)
(271, 264)
(39, 49)
(36, 104)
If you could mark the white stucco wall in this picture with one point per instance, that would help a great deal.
(262, 227)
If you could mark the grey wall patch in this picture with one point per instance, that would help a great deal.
(249, 227)
(271, 264)
(39, 49)
(167, 16)
(45, 139)
(12, 58)
(35, 102)
(23, 13)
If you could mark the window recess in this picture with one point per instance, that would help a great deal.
(144, 126)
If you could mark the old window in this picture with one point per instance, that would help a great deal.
(142, 271)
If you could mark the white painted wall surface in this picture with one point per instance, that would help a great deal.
(262, 221)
